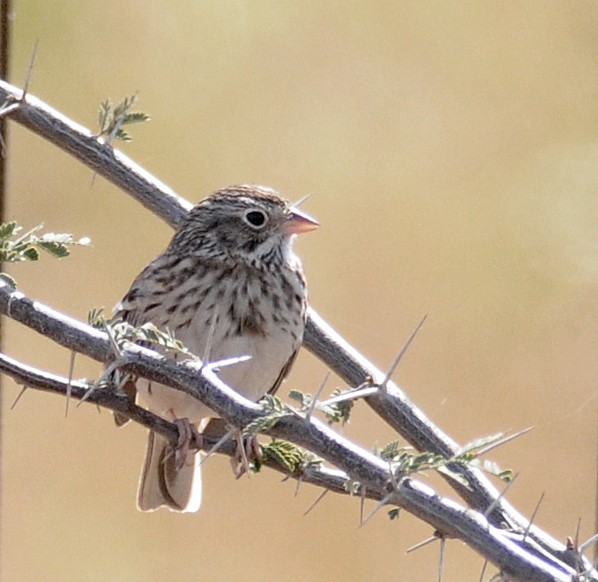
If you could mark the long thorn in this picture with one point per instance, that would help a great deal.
(441, 558)
(531, 519)
(483, 570)
(227, 436)
(23, 389)
(421, 544)
(352, 394)
(30, 70)
(299, 483)
(400, 355)
(301, 201)
(320, 497)
(310, 410)
(361, 505)
(491, 507)
(378, 507)
(504, 440)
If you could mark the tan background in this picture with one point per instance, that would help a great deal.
(452, 153)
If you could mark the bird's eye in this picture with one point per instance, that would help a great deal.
(255, 218)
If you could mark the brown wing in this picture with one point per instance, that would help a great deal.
(134, 309)
(284, 372)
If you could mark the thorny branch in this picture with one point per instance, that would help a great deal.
(537, 557)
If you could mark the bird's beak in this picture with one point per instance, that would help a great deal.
(298, 222)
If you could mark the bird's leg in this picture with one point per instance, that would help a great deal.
(248, 449)
(189, 439)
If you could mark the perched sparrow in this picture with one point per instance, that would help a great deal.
(231, 260)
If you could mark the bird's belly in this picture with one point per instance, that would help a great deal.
(252, 378)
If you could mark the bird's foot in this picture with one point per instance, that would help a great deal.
(190, 439)
(248, 450)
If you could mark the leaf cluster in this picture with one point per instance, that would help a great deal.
(335, 412)
(16, 247)
(147, 334)
(405, 461)
(274, 409)
(112, 118)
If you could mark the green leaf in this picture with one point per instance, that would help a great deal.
(26, 247)
(8, 229)
(112, 118)
(136, 117)
(95, 317)
(30, 253)
(285, 454)
(55, 249)
(394, 513)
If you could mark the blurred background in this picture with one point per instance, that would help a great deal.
(451, 151)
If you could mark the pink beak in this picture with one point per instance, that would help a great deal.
(299, 222)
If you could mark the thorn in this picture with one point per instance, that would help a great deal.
(491, 507)
(299, 483)
(531, 519)
(301, 201)
(441, 558)
(483, 571)
(312, 406)
(352, 394)
(577, 529)
(319, 498)
(421, 544)
(30, 71)
(226, 437)
(227, 362)
(105, 374)
(504, 440)
(18, 397)
(377, 508)
(361, 505)
(69, 386)
(400, 355)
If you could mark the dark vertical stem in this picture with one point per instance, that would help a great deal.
(5, 16)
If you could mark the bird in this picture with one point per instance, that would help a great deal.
(229, 277)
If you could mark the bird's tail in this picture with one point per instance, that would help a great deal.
(162, 484)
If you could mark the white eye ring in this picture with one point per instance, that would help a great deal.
(255, 218)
